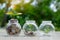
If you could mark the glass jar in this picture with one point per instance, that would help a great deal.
(13, 27)
(30, 28)
(46, 28)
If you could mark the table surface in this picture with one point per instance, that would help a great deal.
(4, 36)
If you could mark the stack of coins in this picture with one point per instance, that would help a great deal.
(13, 30)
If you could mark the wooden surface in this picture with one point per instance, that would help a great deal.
(4, 36)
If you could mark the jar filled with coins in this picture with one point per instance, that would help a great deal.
(13, 27)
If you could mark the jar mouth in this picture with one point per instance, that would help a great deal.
(13, 21)
(46, 21)
(30, 21)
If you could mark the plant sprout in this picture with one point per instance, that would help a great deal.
(30, 27)
(46, 28)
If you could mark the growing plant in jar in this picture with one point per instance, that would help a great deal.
(30, 29)
(46, 28)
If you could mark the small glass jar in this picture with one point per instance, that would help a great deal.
(30, 28)
(13, 27)
(46, 28)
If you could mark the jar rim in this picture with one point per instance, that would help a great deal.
(30, 21)
(46, 21)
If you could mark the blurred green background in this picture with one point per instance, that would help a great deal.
(37, 10)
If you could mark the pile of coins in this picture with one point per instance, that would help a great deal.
(29, 33)
(13, 27)
(13, 30)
